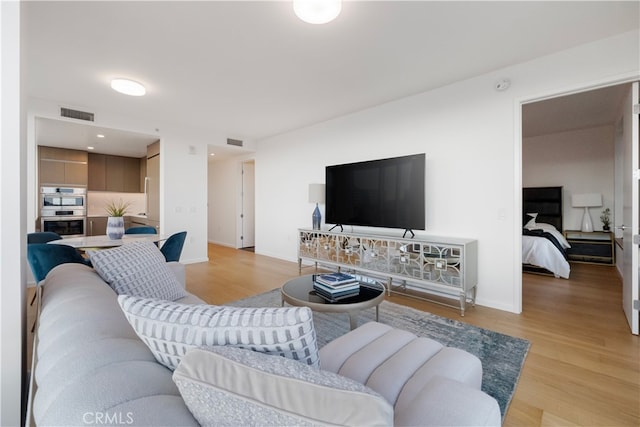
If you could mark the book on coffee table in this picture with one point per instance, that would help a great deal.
(335, 296)
(335, 279)
(347, 288)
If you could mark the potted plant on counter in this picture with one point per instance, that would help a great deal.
(115, 222)
(605, 218)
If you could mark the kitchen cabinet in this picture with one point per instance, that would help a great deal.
(143, 173)
(96, 225)
(114, 173)
(97, 172)
(61, 166)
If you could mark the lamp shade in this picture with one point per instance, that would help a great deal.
(588, 200)
(316, 193)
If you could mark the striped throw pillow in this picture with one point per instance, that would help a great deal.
(170, 329)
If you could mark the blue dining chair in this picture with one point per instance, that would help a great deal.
(141, 229)
(42, 237)
(172, 247)
(43, 257)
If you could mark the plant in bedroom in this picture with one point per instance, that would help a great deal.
(115, 222)
(605, 218)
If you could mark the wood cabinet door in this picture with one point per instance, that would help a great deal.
(97, 225)
(97, 172)
(115, 173)
(75, 173)
(51, 172)
(131, 175)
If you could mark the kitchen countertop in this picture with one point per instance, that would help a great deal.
(143, 216)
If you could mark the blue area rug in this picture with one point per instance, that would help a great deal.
(502, 356)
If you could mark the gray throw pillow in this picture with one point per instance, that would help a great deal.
(170, 329)
(226, 386)
(139, 269)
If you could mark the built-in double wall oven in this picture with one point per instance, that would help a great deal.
(63, 210)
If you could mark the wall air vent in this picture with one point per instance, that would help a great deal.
(76, 114)
(235, 142)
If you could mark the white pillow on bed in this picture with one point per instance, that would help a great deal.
(532, 222)
(551, 230)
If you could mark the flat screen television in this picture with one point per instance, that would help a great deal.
(386, 193)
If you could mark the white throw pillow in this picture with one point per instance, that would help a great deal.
(531, 220)
(236, 387)
(139, 269)
(170, 329)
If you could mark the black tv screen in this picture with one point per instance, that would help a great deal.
(379, 193)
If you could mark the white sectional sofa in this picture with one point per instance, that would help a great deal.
(92, 368)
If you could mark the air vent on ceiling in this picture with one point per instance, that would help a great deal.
(235, 142)
(76, 114)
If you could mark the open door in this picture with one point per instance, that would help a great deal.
(631, 209)
(248, 204)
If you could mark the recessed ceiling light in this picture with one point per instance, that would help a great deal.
(90, 148)
(212, 154)
(128, 87)
(100, 135)
(317, 11)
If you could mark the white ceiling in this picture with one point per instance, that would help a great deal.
(578, 111)
(249, 70)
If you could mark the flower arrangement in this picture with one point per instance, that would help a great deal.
(605, 218)
(117, 208)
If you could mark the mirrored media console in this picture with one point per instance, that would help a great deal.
(414, 267)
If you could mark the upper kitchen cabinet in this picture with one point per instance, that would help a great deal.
(60, 166)
(114, 173)
(97, 172)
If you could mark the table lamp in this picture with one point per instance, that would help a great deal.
(316, 195)
(586, 201)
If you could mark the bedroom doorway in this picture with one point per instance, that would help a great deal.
(571, 141)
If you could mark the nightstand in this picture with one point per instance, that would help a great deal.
(595, 247)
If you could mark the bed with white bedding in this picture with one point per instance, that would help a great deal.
(543, 245)
(540, 252)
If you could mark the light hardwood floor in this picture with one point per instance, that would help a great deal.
(583, 367)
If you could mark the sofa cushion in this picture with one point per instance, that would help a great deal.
(445, 402)
(232, 386)
(139, 269)
(170, 329)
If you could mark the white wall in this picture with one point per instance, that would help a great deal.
(12, 222)
(581, 161)
(471, 136)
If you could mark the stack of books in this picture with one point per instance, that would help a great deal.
(335, 286)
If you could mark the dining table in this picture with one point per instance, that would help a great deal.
(104, 241)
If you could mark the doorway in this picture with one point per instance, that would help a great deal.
(247, 210)
(573, 141)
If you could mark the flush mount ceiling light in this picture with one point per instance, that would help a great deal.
(128, 87)
(317, 11)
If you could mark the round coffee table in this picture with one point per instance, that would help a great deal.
(299, 292)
